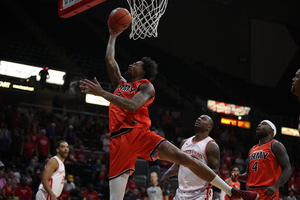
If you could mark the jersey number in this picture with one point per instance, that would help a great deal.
(255, 166)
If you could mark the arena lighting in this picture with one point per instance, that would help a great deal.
(226, 108)
(6, 84)
(235, 122)
(25, 71)
(289, 131)
(92, 99)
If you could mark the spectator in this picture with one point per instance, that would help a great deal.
(168, 123)
(292, 186)
(135, 195)
(28, 150)
(232, 141)
(27, 119)
(51, 135)
(16, 145)
(224, 139)
(131, 185)
(2, 168)
(224, 172)
(34, 129)
(239, 161)
(70, 136)
(90, 193)
(5, 141)
(103, 183)
(227, 158)
(16, 178)
(71, 156)
(36, 179)
(31, 165)
(28, 178)
(2, 179)
(8, 190)
(105, 141)
(15, 118)
(43, 147)
(240, 147)
(65, 195)
(298, 181)
(291, 196)
(179, 124)
(171, 194)
(88, 128)
(81, 155)
(77, 182)
(23, 191)
(97, 166)
(34, 137)
(70, 183)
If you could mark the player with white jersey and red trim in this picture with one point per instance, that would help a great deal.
(53, 178)
(205, 149)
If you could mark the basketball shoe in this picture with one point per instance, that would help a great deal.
(244, 195)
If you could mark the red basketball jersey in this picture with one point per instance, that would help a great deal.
(121, 118)
(263, 169)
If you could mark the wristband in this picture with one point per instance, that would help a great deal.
(166, 173)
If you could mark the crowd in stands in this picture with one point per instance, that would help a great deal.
(28, 135)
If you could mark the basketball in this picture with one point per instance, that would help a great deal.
(119, 19)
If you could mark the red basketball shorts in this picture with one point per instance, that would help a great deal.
(263, 197)
(126, 148)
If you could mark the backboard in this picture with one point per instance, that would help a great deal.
(68, 8)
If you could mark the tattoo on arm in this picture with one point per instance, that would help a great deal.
(165, 145)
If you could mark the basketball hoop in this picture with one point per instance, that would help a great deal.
(145, 17)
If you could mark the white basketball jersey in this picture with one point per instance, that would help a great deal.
(187, 180)
(57, 179)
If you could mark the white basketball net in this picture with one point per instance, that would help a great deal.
(145, 17)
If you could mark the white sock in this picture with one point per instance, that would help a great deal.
(117, 187)
(219, 183)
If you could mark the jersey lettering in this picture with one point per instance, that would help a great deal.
(259, 155)
(194, 153)
(255, 166)
(127, 88)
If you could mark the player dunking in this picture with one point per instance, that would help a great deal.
(53, 177)
(129, 124)
(269, 165)
(204, 148)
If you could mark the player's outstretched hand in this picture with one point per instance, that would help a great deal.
(112, 31)
(91, 87)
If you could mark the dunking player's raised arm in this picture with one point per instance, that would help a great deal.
(111, 64)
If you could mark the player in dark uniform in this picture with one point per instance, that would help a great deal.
(269, 165)
(129, 124)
